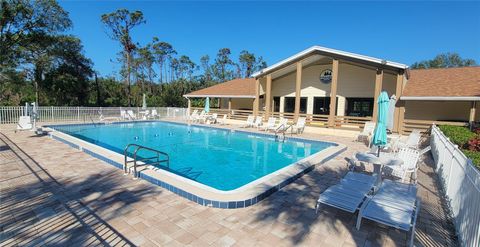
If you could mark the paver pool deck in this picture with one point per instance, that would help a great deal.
(52, 194)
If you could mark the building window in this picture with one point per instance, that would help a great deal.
(276, 104)
(321, 105)
(290, 104)
(359, 107)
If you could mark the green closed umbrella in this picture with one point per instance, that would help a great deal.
(207, 105)
(380, 134)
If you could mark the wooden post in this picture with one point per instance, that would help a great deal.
(471, 119)
(378, 89)
(268, 96)
(398, 93)
(298, 88)
(256, 101)
(229, 107)
(333, 94)
(401, 116)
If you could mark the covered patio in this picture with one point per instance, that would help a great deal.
(304, 84)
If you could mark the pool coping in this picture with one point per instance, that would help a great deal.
(244, 196)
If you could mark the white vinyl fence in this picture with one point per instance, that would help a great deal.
(461, 183)
(11, 114)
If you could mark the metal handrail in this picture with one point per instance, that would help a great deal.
(283, 132)
(138, 148)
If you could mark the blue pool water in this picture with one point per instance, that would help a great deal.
(218, 158)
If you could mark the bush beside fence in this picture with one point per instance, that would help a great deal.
(11, 114)
(461, 183)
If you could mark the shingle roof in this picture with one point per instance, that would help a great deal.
(445, 82)
(237, 88)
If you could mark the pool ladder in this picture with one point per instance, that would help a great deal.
(154, 160)
(277, 131)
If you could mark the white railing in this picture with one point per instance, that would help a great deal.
(461, 184)
(11, 114)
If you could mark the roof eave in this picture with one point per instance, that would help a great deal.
(441, 98)
(219, 96)
(334, 52)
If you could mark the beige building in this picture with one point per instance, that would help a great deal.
(305, 83)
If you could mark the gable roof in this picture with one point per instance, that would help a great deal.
(450, 83)
(329, 52)
(237, 88)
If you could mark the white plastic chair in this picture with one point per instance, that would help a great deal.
(367, 132)
(299, 127)
(394, 204)
(131, 115)
(258, 122)
(410, 159)
(281, 126)
(154, 114)
(412, 141)
(24, 123)
(249, 122)
(270, 124)
(123, 114)
(223, 120)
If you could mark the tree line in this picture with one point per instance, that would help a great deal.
(40, 62)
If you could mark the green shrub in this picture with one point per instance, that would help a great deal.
(474, 156)
(457, 134)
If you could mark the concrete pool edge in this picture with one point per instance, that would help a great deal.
(244, 196)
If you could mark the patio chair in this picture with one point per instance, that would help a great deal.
(24, 123)
(201, 117)
(212, 119)
(349, 194)
(281, 126)
(258, 122)
(249, 122)
(410, 159)
(223, 120)
(412, 141)
(154, 114)
(394, 204)
(131, 115)
(107, 119)
(367, 133)
(123, 115)
(299, 127)
(270, 124)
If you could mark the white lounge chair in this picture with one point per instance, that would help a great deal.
(212, 119)
(223, 120)
(299, 127)
(258, 122)
(281, 126)
(270, 124)
(123, 115)
(193, 116)
(107, 119)
(394, 204)
(131, 115)
(201, 117)
(349, 194)
(410, 158)
(367, 133)
(154, 114)
(24, 123)
(249, 122)
(412, 141)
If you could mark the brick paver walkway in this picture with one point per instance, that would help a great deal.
(52, 194)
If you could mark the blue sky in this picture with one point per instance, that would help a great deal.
(403, 32)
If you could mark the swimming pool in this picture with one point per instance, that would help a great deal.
(221, 159)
